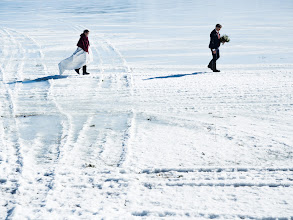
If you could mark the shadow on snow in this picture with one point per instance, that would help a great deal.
(46, 78)
(175, 76)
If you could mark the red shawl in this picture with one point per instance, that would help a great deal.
(84, 43)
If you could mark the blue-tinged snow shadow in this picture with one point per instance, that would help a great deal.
(46, 78)
(175, 76)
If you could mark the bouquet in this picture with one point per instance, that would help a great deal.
(224, 38)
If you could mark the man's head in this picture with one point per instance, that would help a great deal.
(218, 27)
(86, 32)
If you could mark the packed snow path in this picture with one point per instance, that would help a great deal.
(143, 136)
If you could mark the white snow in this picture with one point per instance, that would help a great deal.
(151, 132)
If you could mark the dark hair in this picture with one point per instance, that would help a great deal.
(86, 31)
(218, 26)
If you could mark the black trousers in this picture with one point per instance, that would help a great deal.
(213, 62)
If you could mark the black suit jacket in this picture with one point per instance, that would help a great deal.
(214, 40)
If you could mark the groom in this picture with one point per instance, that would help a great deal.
(214, 46)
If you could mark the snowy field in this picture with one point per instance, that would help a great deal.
(151, 133)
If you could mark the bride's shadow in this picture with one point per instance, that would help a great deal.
(46, 78)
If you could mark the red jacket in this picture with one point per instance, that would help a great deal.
(83, 43)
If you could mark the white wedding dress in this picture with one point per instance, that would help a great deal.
(77, 60)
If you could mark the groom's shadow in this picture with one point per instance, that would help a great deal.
(45, 78)
(175, 76)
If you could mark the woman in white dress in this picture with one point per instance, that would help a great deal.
(80, 58)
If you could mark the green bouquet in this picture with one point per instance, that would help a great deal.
(224, 38)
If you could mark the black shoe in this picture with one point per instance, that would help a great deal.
(211, 65)
(77, 70)
(84, 70)
(214, 65)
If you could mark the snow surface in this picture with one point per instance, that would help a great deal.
(151, 132)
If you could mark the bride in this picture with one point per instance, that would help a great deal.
(80, 58)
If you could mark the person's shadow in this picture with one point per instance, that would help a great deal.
(45, 78)
(175, 76)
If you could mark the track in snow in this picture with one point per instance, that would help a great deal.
(37, 135)
(95, 133)
(195, 137)
(42, 157)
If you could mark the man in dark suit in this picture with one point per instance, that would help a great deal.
(214, 46)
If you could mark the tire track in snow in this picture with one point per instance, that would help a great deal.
(62, 140)
(13, 164)
(107, 49)
(68, 167)
(112, 63)
(73, 138)
(115, 82)
(67, 143)
(222, 176)
(38, 168)
(71, 150)
(91, 128)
